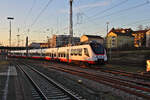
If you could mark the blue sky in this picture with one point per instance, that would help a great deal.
(90, 17)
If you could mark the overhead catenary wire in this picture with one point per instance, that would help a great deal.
(41, 12)
(123, 10)
(29, 12)
(89, 18)
(120, 11)
(38, 16)
(110, 8)
(139, 21)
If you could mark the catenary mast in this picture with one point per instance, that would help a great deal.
(71, 24)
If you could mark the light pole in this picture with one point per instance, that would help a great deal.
(107, 26)
(18, 39)
(10, 18)
(110, 42)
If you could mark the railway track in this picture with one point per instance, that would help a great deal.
(47, 88)
(121, 84)
(124, 73)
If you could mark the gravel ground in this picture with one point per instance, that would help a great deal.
(90, 90)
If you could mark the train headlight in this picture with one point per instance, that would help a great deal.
(94, 57)
(101, 57)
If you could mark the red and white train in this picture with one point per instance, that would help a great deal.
(91, 53)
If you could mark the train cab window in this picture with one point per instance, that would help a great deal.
(86, 52)
(97, 48)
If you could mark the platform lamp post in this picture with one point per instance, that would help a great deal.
(110, 42)
(10, 18)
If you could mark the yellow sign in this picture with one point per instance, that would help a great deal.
(148, 65)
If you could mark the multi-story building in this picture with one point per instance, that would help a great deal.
(139, 38)
(62, 40)
(119, 38)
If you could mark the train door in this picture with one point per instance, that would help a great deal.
(86, 52)
(67, 55)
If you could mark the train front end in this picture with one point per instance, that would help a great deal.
(99, 55)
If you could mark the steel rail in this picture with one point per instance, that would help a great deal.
(43, 97)
(105, 80)
(71, 95)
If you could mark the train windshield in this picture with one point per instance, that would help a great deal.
(97, 48)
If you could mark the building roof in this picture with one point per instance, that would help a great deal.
(93, 36)
(122, 32)
(140, 31)
(148, 32)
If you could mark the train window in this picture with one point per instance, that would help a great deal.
(47, 54)
(75, 52)
(86, 52)
(97, 48)
(38, 54)
(43, 54)
(54, 54)
(72, 52)
(80, 52)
